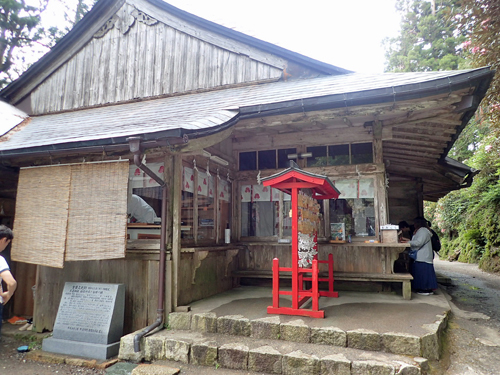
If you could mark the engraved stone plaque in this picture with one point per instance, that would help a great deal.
(90, 316)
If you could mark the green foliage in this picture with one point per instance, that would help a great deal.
(430, 39)
(25, 36)
(19, 27)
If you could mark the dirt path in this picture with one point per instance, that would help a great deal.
(473, 340)
(12, 362)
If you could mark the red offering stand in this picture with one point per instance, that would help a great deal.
(305, 188)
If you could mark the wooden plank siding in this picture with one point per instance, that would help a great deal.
(139, 273)
(147, 61)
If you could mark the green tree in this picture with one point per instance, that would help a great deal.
(19, 27)
(430, 38)
(26, 33)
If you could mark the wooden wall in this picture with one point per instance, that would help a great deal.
(355, 257)
(206, 273)
(139, 273)
(146, 61)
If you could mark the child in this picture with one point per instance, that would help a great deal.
(6, 236)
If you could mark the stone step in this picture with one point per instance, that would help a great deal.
(266, 355)
(271, 328)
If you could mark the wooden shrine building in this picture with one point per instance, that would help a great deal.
(139, 139)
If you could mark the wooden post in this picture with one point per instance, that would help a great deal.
(195, 206)
(295, 248)
(276, 282)
(176, 227)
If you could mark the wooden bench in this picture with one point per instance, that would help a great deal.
(404, 278)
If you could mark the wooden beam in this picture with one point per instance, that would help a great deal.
(197, 144)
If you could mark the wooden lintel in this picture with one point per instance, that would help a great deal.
(204, 142)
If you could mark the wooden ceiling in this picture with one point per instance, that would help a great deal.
(416, 135)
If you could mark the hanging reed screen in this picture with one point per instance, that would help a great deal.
(97, 222)
(41, 215)
(71, 212)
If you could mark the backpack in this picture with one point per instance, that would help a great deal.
(436, 244)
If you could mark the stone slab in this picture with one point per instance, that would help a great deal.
(155, 370)
(90, 313)
(81, 349)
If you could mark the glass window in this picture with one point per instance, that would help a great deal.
(267, 159)
(283, 161)
(224, 195)
(187, 216)
(144, 203)
(206, 211)
(259, 219)
(362, 153)
(319, 156)
(248, 161)
(338, 155)
(259, 212)
(358, 215)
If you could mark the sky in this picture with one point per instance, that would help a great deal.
(344, 33)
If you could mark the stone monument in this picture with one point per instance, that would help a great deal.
(89, 321)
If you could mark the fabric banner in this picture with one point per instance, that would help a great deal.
(188, 179)
(261, 193)
(246, 193)
(366, 188)
(224, 190)
(202, 184)
(210, 186)
(348, 188)
(157, 168)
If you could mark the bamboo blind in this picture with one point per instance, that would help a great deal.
(41, 215)
(97, 222)
(71, 212)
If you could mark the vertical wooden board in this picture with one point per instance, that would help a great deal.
(49, 288)
(149, 63)
(113, 69)
(78, 92)
(69, 89)
(189, 63)
(202, 64)
(95, 76)
(159, 60)
(87, 82)
(184, 281)
(152, 289)
(103, 70)
(25, 275)
(168, 67)
(140, 66)
(131, 62)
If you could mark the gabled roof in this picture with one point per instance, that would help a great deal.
(204, 113)
(321, 186)
(103, 10)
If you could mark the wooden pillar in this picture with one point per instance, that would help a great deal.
(378, 157)
(295, 248)
(168, 177)
(176, 226)
(381, 202)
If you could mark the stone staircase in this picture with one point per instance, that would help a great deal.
(268, 345)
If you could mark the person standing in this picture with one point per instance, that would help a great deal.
(6, 237)
(422, 269)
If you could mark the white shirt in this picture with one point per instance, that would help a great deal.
(3, 267)
(139, 209)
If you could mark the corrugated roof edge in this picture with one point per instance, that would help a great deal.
(103, 6)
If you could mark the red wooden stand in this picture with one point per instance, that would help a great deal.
(291, 181)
